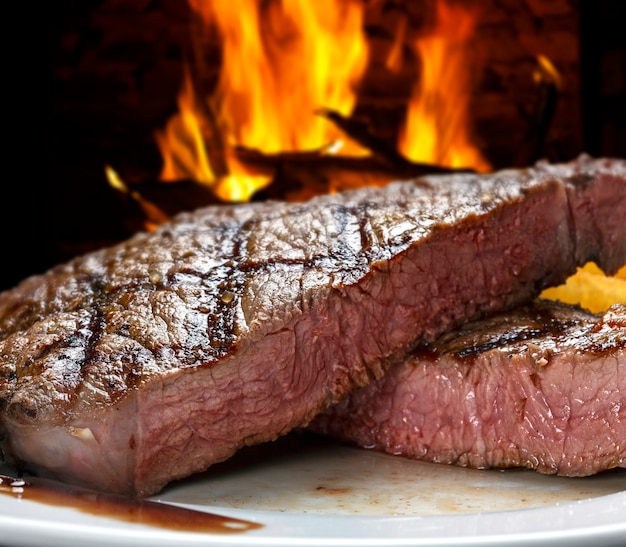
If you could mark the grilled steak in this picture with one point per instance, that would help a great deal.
(542, 387)
(142, 363)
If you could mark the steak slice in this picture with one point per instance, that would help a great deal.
(542, 387)
(142, 363)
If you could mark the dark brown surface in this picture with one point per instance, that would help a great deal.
(111, 506)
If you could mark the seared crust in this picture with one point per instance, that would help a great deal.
(540, 387)
(187, 294)
(551, 327)
(282, 307)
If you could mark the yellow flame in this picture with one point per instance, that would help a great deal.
(437, 124)
(114, 180)
(394, 58)
(283, 64)
(547, 71)
(282, 61)
(182, 144)
(155, 216)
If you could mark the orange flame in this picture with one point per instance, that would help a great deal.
(280, 66)
(281, 62)
(182, 143)
(284, 60)
(437, 126)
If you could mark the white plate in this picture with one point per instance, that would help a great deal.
(304, 491)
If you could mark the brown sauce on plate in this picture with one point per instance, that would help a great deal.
(138, 511)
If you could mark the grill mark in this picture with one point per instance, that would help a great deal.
(525, 324)
(341, 257)
(96, 327)
(228, 244)
(499, 342)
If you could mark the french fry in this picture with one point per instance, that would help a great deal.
(590, 288)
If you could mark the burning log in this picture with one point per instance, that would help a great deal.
(293, 176)
(152, 202)
(360, 132)
(297, 176)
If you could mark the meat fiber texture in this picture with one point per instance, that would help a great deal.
(149, 361)
(542, 387)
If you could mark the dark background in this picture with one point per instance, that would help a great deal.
(39, 211)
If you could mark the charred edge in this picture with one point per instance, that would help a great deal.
(504, 339)
(97, 321)
(501, 331)
(581, 180)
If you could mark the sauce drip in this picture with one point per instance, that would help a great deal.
(121, 508)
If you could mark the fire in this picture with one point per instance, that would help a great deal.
(183, 142)
(280, 66)
(283, 61)
(436, 128)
